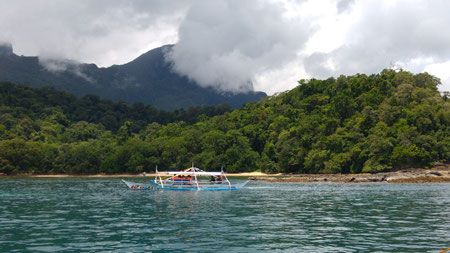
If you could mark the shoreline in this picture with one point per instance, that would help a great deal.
(440, 173)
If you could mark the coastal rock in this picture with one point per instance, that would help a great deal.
(435, 173)
(439, 173)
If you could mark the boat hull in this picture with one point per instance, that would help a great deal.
(184, 187)
(193, 187)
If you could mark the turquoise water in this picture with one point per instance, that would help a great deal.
(102, 215)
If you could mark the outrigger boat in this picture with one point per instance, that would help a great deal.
(192, 179)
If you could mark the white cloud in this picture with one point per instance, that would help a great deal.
(410, 33)
(226, 43)
(60, 65)
(441, 70)
(103, 31)
(280, 79)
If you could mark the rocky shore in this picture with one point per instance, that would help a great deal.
(440, 173)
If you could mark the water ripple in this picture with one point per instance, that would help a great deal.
(102, 215)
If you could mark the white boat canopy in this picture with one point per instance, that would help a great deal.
(193, 182)
(197, 173)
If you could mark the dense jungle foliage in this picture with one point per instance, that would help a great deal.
(39, 103)
(351, 124)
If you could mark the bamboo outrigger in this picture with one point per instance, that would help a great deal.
(192, 179)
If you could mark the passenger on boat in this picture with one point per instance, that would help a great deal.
(219, 179)
(176, 179)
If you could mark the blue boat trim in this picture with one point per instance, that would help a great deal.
(188, 181)
(195, 189)
(152, 185)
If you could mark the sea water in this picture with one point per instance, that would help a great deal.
(103, 215)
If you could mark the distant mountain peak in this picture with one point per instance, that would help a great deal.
(148, 79)
(6, 49)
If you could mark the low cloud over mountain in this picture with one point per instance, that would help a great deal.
(148, 79)
(234, 45)
(228, 43)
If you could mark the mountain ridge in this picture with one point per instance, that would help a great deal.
(148, 79)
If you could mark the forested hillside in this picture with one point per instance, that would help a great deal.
(35, 103)
(351, 124)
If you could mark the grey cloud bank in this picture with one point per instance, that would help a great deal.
(226, 43)
(233, 45)
(103, 31)
(406, 33)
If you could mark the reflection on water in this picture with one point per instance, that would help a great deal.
(103, 215)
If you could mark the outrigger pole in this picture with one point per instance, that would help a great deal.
(195, 176)
(225, 176)
(160, 179)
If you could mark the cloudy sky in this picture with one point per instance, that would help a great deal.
(233, 44)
